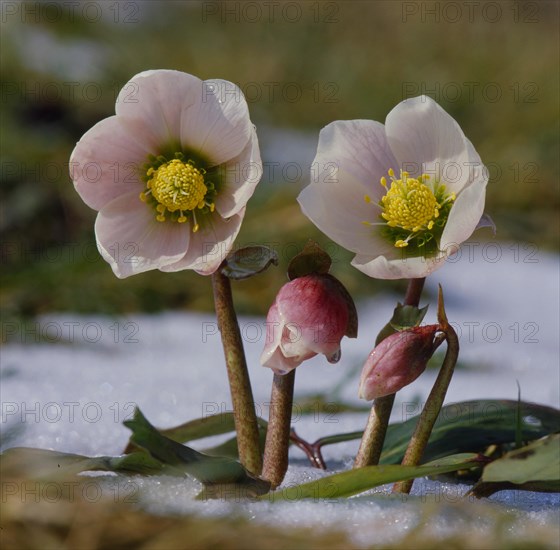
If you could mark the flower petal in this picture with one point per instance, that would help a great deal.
(240, 177)
(279, 363)
(105, 162)
(465, 214)
(210, 245)
(394, 267)
(425, 139)
(486, 221)
(352, 156)
(316, 316)
(132, 241)
(154, 102)
(300, 342)
(274, 328)
(217, 125)
(358, 148)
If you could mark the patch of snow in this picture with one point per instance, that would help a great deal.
(71, 380)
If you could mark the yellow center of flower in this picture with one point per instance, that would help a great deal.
(412, 206)
(409, 203)
(177, 186)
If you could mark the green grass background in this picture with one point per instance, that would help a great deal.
(494, 69)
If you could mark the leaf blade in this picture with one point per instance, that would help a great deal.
(353, 482)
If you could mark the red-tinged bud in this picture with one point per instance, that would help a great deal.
(397, 361)
(310, 315)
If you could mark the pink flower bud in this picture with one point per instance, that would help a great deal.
(310, 315)
(397, 361)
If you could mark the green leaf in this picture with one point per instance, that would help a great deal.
(535, 467)
(183, 458)
(42, 463)
(403, 317)
(312, 259)
(248, 261)
(229, 447)
(207, 469)
(538, 461)
(467, 426)
(196, 429)
(471, 426)
(486, 489)
(139, 462)
(315, 403)
(200, 428)
(353, 482)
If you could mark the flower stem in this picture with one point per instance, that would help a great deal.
(240, 386)
(278, 430)
(414, 292)
(371, 445)
(433, 405)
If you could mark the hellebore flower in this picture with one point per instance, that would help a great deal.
(403, 196)
(170, 173)
(310, 315)
(397, 361)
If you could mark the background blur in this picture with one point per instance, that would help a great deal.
(492, 65)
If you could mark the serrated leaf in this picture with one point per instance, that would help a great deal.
(403, 317)
(353, 482)
(248, 261)
(312, 259)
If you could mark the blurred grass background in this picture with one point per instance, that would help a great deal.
(302, 65)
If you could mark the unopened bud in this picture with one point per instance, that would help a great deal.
(310, 315)
(397, 361)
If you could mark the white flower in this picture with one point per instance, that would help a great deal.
(170, 173)
(403, 196)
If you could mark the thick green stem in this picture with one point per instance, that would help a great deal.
(278, 430)
(371, 445)
(241, 394)
(435, 400)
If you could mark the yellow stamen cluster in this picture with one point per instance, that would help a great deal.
(177, 186)
(411, 204)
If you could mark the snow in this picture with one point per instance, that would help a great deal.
(72, 380)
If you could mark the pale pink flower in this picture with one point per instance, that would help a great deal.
(403, 196)
(309, 316)
(170, 173)
(397, 361)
